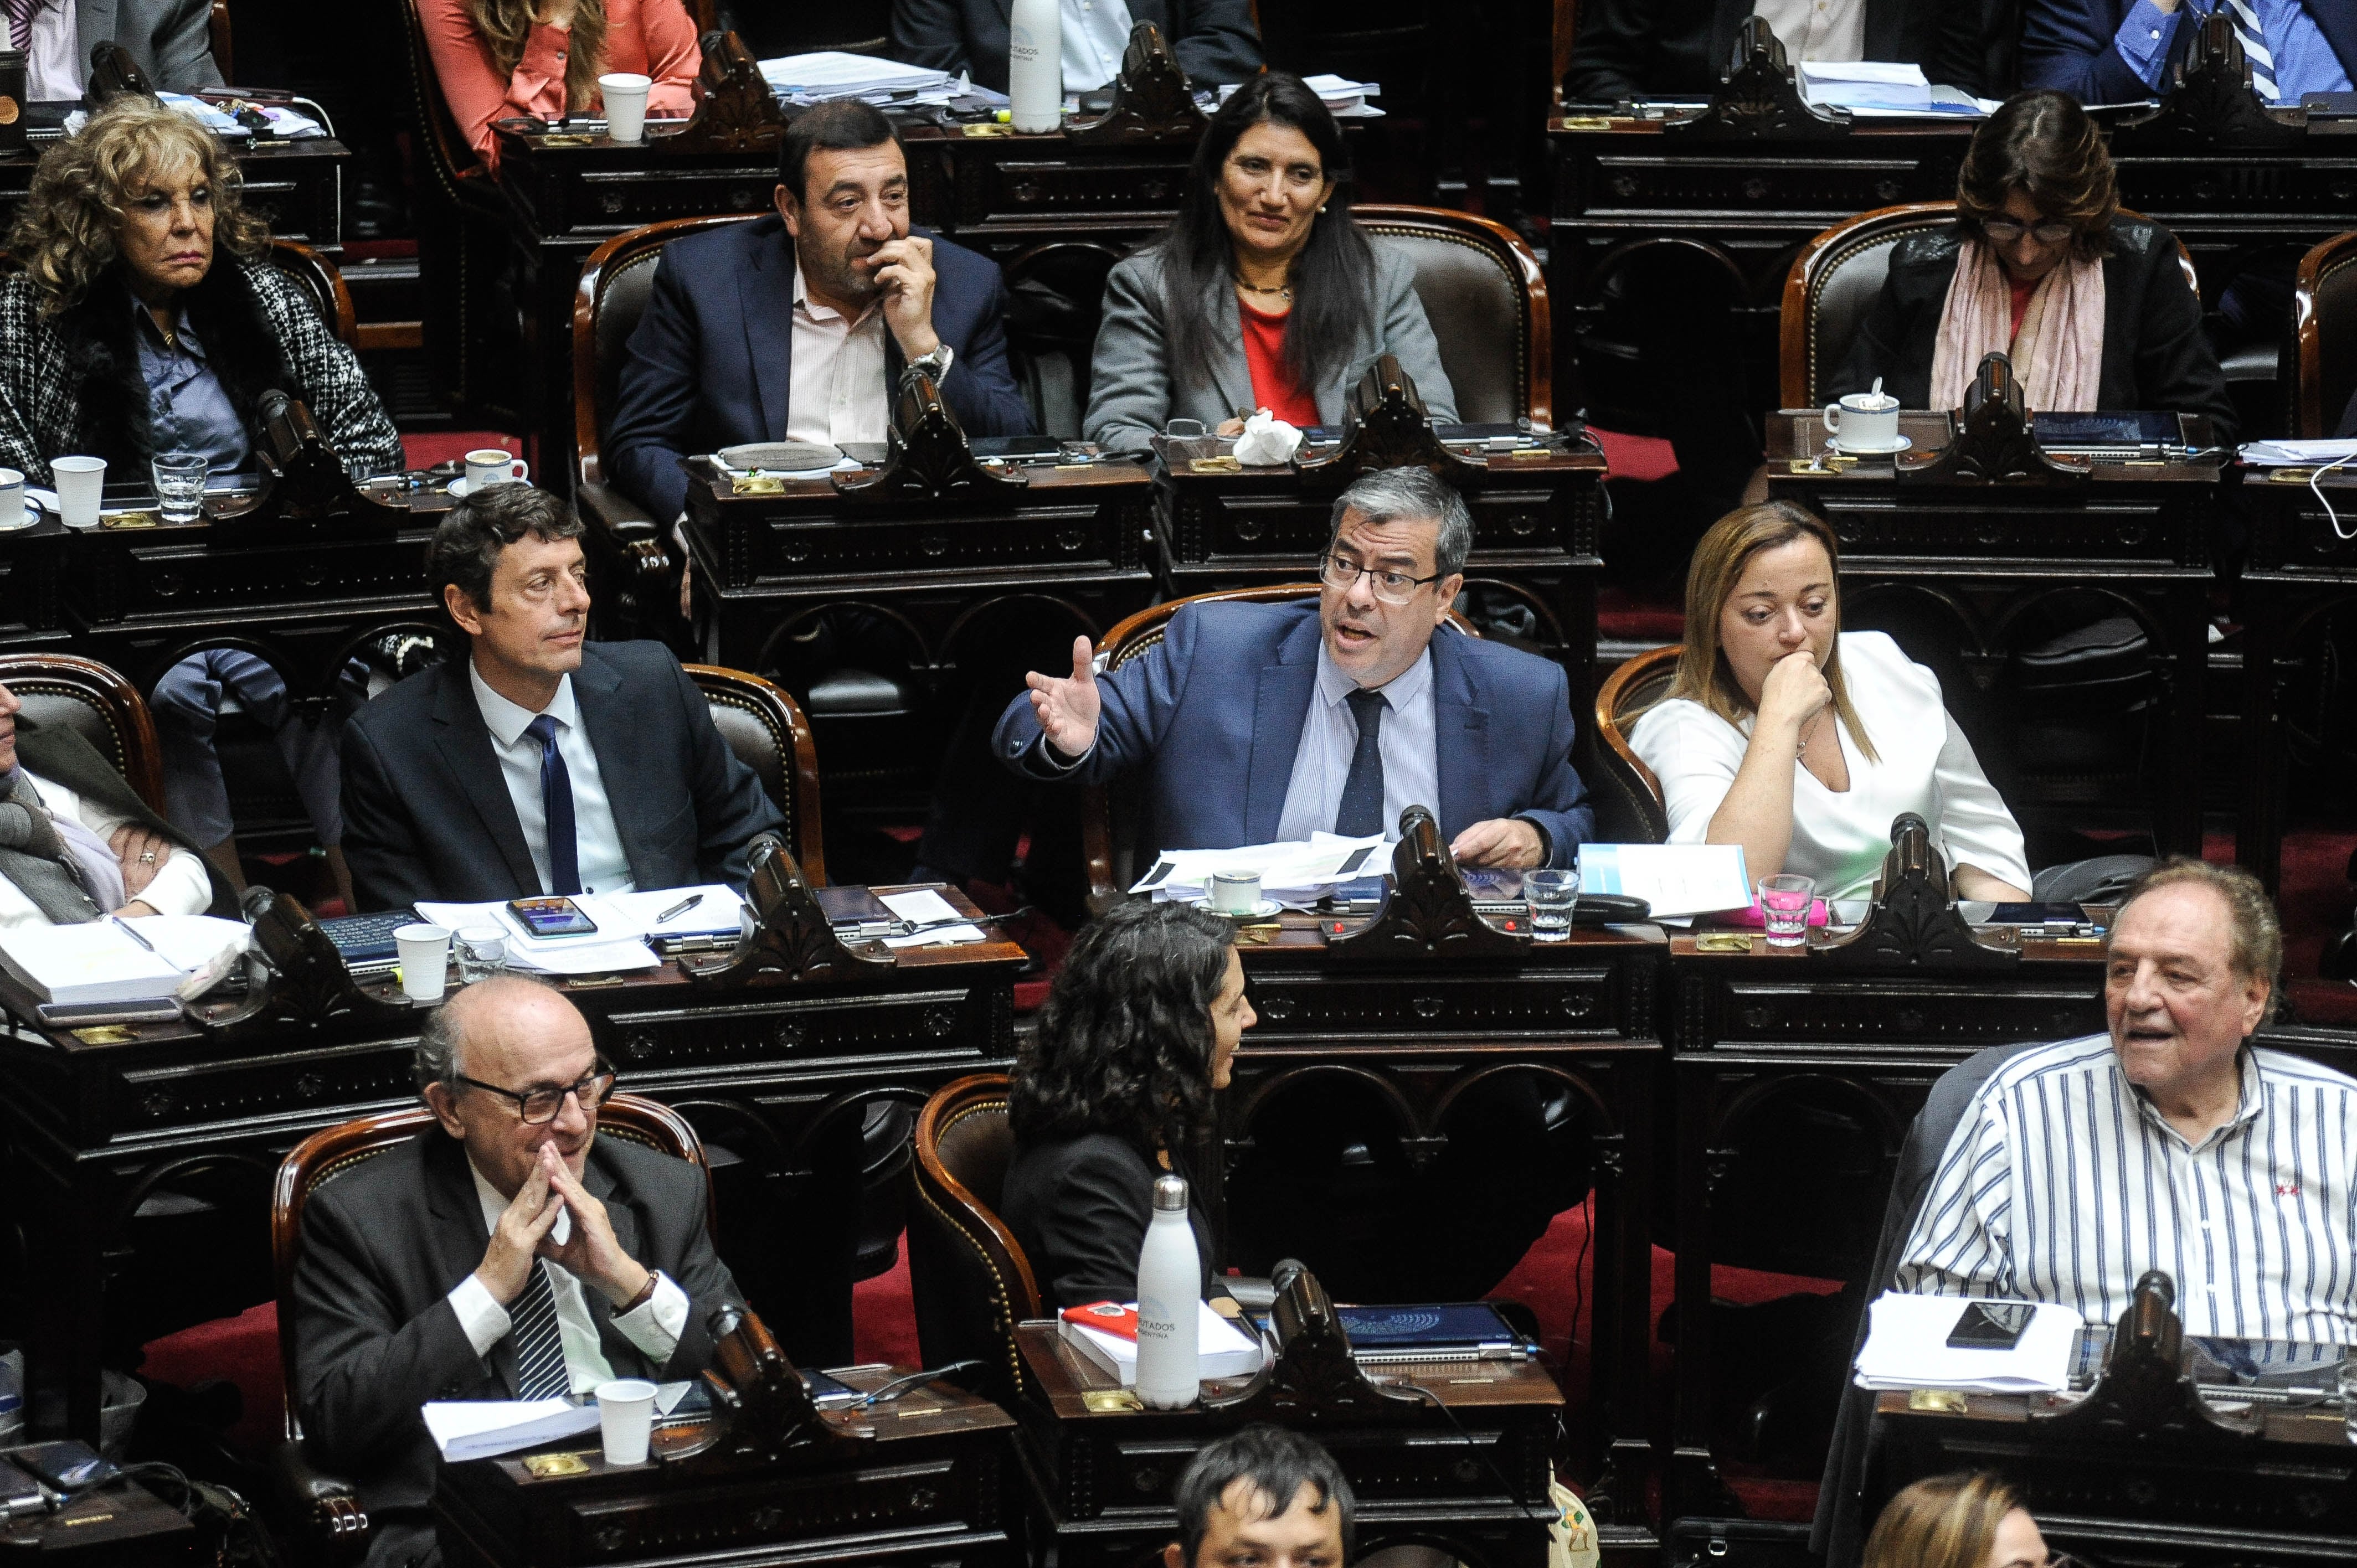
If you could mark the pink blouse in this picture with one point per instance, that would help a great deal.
(653, 38)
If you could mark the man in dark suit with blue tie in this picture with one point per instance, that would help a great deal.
(541, 762)
(1259, 723)
(2115, 51)
(798, 326)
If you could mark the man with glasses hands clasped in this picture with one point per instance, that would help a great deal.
(507, 1254)
(1257, 722)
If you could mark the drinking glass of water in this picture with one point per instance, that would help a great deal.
(482, 952)
(179, 485)
(1551, 895)
(1784, 907)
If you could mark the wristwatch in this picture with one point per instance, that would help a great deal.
(935, 364)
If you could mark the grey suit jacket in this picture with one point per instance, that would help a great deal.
(375, 1336)
(1133, 394)
(170, 39)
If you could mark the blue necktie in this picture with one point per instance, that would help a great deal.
(556, 804)
(1360, 816)
(2255, 47)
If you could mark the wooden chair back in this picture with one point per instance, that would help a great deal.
(1483, 291)
(765, 729)
(324, 282)
(99, 705)
(969, 1280)
(2324, 318)
(1637, 685)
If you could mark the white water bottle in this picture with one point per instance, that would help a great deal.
(1035, 65)
(1170, 1284)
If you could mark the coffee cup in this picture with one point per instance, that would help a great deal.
(625, 103)
(12, 497)
(488, 466)
(1234, 892)
(1864, 422)
(81, 481)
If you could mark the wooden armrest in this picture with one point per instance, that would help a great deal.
(634, 536)
(319, 1513)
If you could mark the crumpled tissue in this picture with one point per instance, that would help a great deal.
(1267, 441)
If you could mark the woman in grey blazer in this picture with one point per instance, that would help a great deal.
(1264, 293)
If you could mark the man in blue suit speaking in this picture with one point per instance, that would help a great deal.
(1261, 723)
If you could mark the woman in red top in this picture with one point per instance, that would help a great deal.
(542, 58)
(1264, 292)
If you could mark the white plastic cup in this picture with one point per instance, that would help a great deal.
(491, 466)
(81, 481)
(625, 103)
(425, 960)
(626, 1417)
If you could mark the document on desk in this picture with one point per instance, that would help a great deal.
(1299, 868)
(481, 1429)
(1674, 879)
(616, 947)
(1885, 90)
(1907, 1347)
(934, 917)
(140, 959)
(2296, 454)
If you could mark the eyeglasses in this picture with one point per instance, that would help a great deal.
(2005, 232)
(540, 1106)
(1391, 587)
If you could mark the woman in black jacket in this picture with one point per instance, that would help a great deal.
(2093, 306)
(1140, 1028)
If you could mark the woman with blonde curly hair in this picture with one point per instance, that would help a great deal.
(1958, 1521)
(125, 336)
(541, 59)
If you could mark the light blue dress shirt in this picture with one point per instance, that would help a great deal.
(188, 408)
(2304, 59)
(1330, 734)
(604, 867)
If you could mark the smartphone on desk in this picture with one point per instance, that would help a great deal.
(1991, 1326)
(67, 1467)
(554, 916)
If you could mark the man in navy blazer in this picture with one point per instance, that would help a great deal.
(1262, 723)
(2115, 51)
(798, 326)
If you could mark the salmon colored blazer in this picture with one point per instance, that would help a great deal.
(653, 38)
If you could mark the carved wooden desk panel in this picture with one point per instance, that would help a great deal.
(1100, 1481)
(1796, 1084)
(296, 186)
(32, 587)
(930, 1484)
(1957, 571)
(1581, 1014)
(779, 1076)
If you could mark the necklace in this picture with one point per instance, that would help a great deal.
(1283, 291)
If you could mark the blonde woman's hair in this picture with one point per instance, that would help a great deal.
(66, 233)
(1704, 676)
(1944, 1521)
(506, 26)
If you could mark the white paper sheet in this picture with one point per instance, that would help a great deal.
(613, 949)
(1674, 879)
(1907, 1347)
(1292, 867)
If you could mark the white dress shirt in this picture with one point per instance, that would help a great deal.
(53, 65)
(597, 843)
(1926, 766)
(2064, 1184)
(1330, 734)
(838, 392)
(653, 1325)
(1097, 32)
(1817, 29)
(181, 885)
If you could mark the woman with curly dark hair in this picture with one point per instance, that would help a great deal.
(2092, 305)
(1140, 1028)
(127, 334)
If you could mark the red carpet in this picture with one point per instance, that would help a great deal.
(424, 450)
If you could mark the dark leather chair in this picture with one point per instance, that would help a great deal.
(969, 1279)
(1836, 278)
(1487, 300)
(1109, 812)
(1055, 300)
(217, 30)
(106, 710)
(767, 731)
(1628, 796)
(319, 1514)
(2324, 318)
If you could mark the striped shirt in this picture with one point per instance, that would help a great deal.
(2063, 1183)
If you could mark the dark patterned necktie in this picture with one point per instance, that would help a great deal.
(539, 1344)
(557, 802)
(1360, 816)
(20, 20)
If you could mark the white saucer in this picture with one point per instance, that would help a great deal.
(1833, 443)
(32, 515)
(1263, 910)
(458, 487)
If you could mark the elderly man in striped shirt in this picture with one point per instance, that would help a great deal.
(2173, 1144)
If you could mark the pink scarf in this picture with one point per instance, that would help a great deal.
(2058, 355)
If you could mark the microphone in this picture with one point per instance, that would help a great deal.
(273, 405)
(1287, 1271)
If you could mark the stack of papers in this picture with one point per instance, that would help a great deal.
(935, 918)
(830, 73)
(1674, 879)
(1884, 90)
(1291, 872)
(625, 921)
(1222, 1349)
(479, 1429)
(1347, 100)
(142, 959)
(1907, 1347)
(2298, 454)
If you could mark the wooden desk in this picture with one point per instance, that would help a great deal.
(1100, 1480)
(1952, 568)
(298, 187)
(32, 575)
(928, 1484)
(97, 1121)
(1770, 1040)
(2300, 571)
(1537, 523)
(121, 1526)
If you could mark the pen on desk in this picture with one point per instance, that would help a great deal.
(682, 908)
(133, 935)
